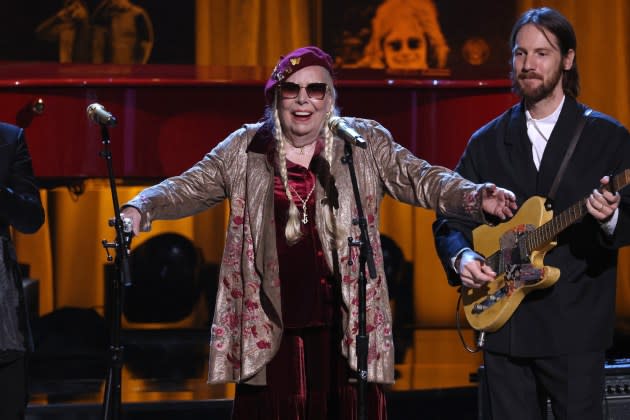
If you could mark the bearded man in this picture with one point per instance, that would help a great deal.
(553, 345)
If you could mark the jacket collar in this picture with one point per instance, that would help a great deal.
(264, 143)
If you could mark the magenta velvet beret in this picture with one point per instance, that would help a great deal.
(294, 61)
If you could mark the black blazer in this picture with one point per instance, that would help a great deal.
(20, 207)
(578, 312)
(20, 204)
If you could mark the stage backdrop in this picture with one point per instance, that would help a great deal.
(66, 254)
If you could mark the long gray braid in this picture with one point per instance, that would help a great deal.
(293, 230)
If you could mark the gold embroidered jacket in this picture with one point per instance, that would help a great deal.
(247, 327)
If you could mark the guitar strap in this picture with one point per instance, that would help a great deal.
(567, 156)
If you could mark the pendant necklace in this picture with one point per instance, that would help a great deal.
(538, 130)
(304, 201)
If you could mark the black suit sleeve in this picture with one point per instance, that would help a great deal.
(20, 203)
(448, 242)
(452, 235)
(621, 235)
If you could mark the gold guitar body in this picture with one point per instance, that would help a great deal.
(488, 308)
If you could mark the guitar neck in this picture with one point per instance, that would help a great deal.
(548, 231)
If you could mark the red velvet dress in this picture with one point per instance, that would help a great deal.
(308, 377)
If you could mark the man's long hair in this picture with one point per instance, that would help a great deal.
(547, 19)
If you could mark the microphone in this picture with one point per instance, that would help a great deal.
(339, 126)
(97, 113)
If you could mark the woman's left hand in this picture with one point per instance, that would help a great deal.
(498, 202)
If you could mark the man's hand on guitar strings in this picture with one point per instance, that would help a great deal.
(602, 204)
(498, 202)
(473, 271)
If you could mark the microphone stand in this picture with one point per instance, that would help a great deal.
(112, 407)
(366, 257)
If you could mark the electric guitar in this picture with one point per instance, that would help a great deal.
(515, 250)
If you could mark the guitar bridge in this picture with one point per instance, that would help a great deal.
(490, 300)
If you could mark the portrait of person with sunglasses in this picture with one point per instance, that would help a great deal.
(284, 327)
(406, 35)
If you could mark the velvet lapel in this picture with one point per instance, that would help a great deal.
(259, 192)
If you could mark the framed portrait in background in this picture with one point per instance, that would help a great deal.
(98, 31)
(444, 38)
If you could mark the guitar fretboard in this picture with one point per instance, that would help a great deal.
(546, 232)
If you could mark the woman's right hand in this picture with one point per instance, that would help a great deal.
(135, 216)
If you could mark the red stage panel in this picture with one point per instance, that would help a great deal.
(170, 116)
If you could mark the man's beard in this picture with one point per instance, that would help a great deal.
(533, 95)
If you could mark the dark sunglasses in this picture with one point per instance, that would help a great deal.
(290, 90)
(412, 44)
